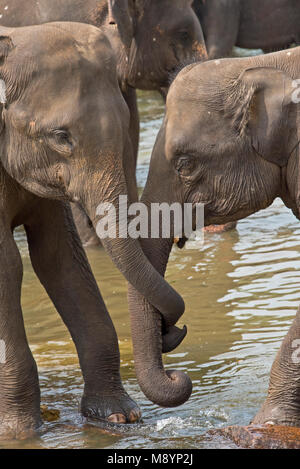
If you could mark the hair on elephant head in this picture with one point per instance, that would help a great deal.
(244, 121)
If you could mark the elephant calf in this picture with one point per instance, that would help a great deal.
(230, 141)
(64, 134)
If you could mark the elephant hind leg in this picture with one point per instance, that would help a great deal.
(19, 387)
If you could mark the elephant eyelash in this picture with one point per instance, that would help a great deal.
(60, 140)
(184, 165)
(61, 133)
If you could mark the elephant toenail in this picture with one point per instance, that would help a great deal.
(117, 418)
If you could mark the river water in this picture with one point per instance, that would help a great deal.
(241, 288)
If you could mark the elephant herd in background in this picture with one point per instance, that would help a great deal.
(69, 135)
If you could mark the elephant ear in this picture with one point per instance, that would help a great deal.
(119, 14)
(266, 112)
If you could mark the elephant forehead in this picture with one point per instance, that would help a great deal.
(191, 126)
(92, 116)
(50, 46)
(195, 115)
(181, 129)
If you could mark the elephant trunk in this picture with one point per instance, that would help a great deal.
(128, 256)
(167, 389)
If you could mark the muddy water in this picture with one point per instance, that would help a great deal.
(242, 290)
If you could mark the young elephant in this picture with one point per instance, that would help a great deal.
(150, 40)
(253, 24)
(230, 141)
(64, 135)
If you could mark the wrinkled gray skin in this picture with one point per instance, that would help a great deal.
(230, 140)
(150, 38)
(253, 24)
(64, 133)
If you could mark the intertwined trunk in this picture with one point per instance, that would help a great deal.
(128, 256)
(167, 389)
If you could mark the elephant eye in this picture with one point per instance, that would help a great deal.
(61, 135)
(184, 35)
(185, 165)
(60, 141)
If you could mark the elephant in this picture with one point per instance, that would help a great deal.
(229, 142)
(64, 133)
(251, 24)
(150, 40)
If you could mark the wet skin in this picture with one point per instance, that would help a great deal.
(58, 147)
(230, 141)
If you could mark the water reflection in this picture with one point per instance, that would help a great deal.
(241, 290)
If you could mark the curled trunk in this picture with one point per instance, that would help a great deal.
(167, 389)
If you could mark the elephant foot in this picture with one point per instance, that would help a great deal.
(119, 408)
(173, 338)
(15, 428)
(276, 414)
(262, 436)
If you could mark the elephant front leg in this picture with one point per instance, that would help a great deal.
(19, 387)
(282, 406)
(62, 267)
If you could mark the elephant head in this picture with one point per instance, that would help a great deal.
(166, 34)
(151, 39)
(64, 132)
(228, 133)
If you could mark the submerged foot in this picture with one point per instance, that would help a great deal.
(277, 414)
(14, 428)
(119, 408)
